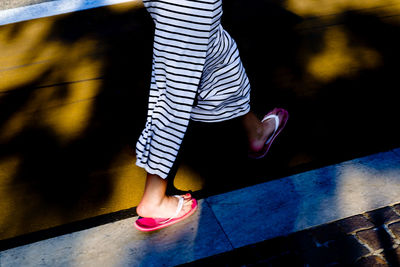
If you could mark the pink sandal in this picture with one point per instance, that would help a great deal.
(151, 224)
(279, 125)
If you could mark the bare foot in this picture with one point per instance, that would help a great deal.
(264, 131)
(166, 209)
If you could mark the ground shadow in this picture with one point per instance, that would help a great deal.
(71, 177)
(333, 109)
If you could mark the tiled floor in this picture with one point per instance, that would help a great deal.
(368, 239)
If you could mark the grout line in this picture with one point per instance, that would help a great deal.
(389, 232)
(396, 151)
(219, 223)
(53, 85)
(25, 65)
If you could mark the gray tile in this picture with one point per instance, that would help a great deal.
(308, 199)
(120, 244)
(22, 10)
(370, 182)
(19, 3)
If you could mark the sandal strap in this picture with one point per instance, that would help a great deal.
(178, 209)
(276, 125)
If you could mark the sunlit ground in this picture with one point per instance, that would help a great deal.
(63, 80)
(341, 59)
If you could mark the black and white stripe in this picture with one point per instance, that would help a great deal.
(193, 56)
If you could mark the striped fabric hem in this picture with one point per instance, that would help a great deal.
(194, 58)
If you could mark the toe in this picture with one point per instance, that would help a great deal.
(188, 202)
(187, 205)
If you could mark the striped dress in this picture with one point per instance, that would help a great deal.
(197, 75)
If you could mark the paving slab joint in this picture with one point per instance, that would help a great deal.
(396, 208)
(373, 255)
(396, 151)
(392, 235)
(370, 238)
(219, 224)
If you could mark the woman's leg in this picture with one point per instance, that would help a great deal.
(182, 35)
(155, 203)
(181, 39)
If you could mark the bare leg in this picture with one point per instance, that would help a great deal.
(257, 132)
(155, 203)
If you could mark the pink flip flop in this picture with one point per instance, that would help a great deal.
(279, 125)
(151, 224)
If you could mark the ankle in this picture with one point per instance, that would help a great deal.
(145, 208)
(142, 209)
(261, 135)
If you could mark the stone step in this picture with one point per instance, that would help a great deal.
(241, 218)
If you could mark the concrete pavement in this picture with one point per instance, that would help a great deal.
(23, 10)
(319, 201)
(9, 4)
(368, 239)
